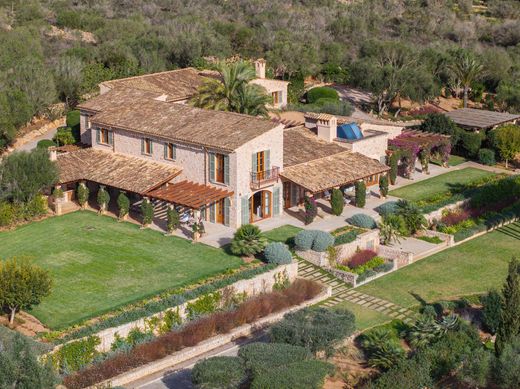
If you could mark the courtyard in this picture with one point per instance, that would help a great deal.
(99, 264)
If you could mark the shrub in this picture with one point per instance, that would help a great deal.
(82, 194)
(278, 253)
(248, 240)
(301, 375)
(311, 210)
(316, 329)
(219, 372)
(486, 157)
(123, 203)
(336, 202)
(471, 142)
(382, 348)
(387, 208)
(383, 268)
(103, 198)
(203, 305)
(262, 357)
(322, 241)
(441, 124)
(147, 211)
(365, 275)
(360, 258)
(74, 356)
(506, 371)
(361, 194)
(393, 163)
(505, 189)
(315, 94)
(64, 136)
(369, 265)
(412, 216)
(304, 239)
(491, 310)
(362, 220)
(172, 219)
(383, 185)
(73, 121)
(475, 369)
(347, 237)
(45, 144)
(409, 373)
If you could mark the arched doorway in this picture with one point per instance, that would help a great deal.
(260, 206)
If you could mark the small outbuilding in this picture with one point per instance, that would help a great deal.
(480, 119)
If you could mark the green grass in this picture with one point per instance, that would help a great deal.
(440, 184)
(282, 234)
(454, 160)
(365, 317)
(99, 264)
(470, 268)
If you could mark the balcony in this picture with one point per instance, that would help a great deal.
(267, 177)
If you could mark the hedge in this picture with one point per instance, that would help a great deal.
(172, 299)
(347, 237)
(301, 375)
(324, 92)
(218, 373)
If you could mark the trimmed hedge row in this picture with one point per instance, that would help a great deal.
(171, 300)
(195, 332)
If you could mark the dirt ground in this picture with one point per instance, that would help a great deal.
(24, 323)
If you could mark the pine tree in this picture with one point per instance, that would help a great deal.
(510, 315)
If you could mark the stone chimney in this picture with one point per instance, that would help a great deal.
(260, 68)
(53, 154)
(327, 128)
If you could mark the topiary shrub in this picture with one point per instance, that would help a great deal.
(390, 207)
(219, 373)
(45, 144)
(82, 194)
(486, 157)
(304, 239)
(172, 220)
(103, 198)
(336, 202)
(123, 204)
(322, 241)
(361, 194)
(393, 163)
(316, 329)
(311, 210)
(146, 211)
(383, 186)
(322, 92)
(278, 253)
(362, 220)
(248, 240)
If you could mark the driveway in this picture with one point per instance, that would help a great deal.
(32, 143)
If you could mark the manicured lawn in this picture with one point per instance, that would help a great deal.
(365, 318)
(454, 160)
(98, 264)
(439, 184)
(470, 268)
(282, 234)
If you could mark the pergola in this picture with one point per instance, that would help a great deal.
(413, 144)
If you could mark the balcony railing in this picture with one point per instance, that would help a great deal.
(267, 177)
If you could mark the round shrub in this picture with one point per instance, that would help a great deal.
(362, 221)
(278, 253)
(304, 239)
(322, 92)
(387, 208)
(45, 144)
(322, 241)
(471, 142)
(486, 157)
(219, 372)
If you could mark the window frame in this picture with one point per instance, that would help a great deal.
(104, 137)
(147, 146)
(170, 151)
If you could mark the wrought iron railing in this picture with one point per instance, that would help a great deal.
(266, 177)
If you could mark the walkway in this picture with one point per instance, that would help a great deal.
(341, 291)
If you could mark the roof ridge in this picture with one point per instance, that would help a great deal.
(147, 75)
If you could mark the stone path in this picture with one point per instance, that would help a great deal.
(343, 292)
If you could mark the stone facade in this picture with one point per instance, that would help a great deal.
(368, 240)
(373, 144)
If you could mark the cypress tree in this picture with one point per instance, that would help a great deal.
(509, 326)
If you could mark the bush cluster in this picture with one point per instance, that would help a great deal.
(324, 92)
(13, 213)
(506, 189)
(277, 253)
(362, 220)
(195, 332)
(219, 372)
(486, 157)
(360, 258)
(76, 355)
(313, 240)
(347, 237)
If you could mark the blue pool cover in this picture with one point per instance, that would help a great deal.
(349, 131)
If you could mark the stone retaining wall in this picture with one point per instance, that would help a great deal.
(207, 345)
(400, 258)
(262, 283)
(438, 213)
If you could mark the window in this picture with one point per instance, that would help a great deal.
(277, 97)
(104, 136)
(146, 146)
(169, 151)
(373, 179)
(219, 168)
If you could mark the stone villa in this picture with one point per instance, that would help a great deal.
(228, 168)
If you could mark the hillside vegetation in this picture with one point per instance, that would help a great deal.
(58, 50)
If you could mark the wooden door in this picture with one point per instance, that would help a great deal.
(287, 195)
(260, 165)
(267, 205)
(219, 167)
(219, 211)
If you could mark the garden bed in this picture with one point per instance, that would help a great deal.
(220, 323)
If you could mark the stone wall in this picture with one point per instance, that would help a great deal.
(368, 240)
(400, 258)
(448, 239)
(254, 286)
(320, 259)
(438, 213)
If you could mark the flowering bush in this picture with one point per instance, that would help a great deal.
(360, 258)
(455, 217)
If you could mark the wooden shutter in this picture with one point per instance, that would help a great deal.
(165, 156)
(267, 156)
(110, 137)
(142, 145)
(151, 146)
(174, 151)
(276, 201)
(226, 211)
(98, 136)
(226, 169)
(211, 167)
(254, 163)
(245, 210)
(212, 213)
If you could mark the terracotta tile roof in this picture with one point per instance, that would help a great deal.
(178, 84)
(178, 122)
(479, 118)
(302, 145)
(118, 97)
(190, 194)
(334, 170)
(117, 170)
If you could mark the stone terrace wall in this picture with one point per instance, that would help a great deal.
(366, 241)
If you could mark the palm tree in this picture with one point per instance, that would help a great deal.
(466, 69)
(232, 91)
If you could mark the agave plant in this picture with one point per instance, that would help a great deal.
(389, 354)
(248, 241)
(425, 331)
